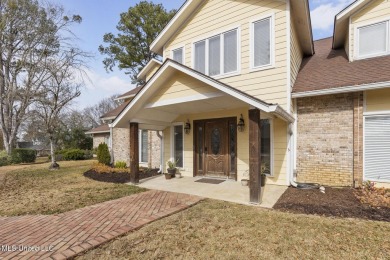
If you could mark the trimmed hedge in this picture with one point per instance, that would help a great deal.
(103, 154)
(73, 155)
(23, 156)
(5, 159)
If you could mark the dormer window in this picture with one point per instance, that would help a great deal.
(178, 55)
(373, 40)
(217, 55)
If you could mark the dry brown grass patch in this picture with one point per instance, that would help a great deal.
(221, 230)
(37, 190)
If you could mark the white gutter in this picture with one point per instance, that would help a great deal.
(340, 90)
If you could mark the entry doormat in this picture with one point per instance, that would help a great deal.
(210, 181)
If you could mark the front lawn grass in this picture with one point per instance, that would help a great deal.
(37, 190)
(221, 230)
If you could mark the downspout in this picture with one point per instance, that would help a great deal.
(111, 151)
(160, 135)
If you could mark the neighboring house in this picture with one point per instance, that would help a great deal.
(117, 139)
(242, 84)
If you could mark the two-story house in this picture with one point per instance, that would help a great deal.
(243, 88)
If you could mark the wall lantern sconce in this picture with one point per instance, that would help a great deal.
(187, 127)
(241, 124)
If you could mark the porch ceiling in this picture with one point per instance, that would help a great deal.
(159, 116)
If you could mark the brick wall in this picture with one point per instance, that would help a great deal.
(325, 143)
(154, 150)
(121, 147)
(358, 139)
(121, 144)
(98, 139)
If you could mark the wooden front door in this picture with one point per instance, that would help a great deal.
(216, 155)
(215, 150)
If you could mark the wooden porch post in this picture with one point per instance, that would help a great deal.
(134, 153)
(254, 156)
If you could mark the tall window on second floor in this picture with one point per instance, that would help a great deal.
(373, 40)
(261, 43)
(217, 55)
(178, 55)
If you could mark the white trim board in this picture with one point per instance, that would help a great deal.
(340, 90)
(148, 67)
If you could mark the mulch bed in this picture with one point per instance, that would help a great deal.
(336, 202)
(118, 177)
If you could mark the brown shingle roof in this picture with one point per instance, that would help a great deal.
(130, 93)
(329, 68)
(99, 129)
(115, 112)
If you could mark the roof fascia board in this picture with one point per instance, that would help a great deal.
(154, 46)
(97, 132)
(148, 67)
(340, 90)
(124, 97)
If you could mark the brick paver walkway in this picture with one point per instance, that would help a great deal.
(79, 230)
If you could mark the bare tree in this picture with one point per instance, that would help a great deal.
(93, 113)
(30, 35)
(57, 93)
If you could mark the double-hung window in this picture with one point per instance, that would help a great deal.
(217, 55)
(178, 55)
(373, 40)
(262, 43)
(143, 146)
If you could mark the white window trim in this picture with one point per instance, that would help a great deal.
(356, 38)
(221, 34)
(173, 144)
(183, 47)
(364, 145)
(140, 146)
(252, 67)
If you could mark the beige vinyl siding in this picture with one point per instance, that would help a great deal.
(152, 71)
(378, 100)
(346, 43)
(218, 16)
(279, 145)
(180, 86)
(296, 57)
(375, 11)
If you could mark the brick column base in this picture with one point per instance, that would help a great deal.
(358, 139)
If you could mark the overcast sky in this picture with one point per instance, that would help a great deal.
(102, 16)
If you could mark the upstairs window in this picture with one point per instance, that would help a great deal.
(178, 55)
(262, 43)
(217, 55)
(373, 40)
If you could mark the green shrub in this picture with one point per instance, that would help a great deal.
(120, 165)
(5, 159)
(23, 156)
(88, 154)
(103, 155)
(73, 155)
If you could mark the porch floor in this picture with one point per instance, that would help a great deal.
(228, 190)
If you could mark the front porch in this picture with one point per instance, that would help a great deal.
(229, 190)
(210, 130)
